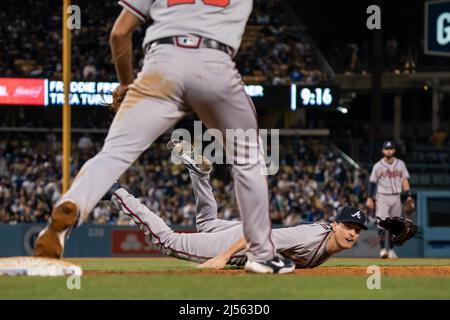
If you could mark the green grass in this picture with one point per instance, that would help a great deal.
(198, 285)
(355, 262)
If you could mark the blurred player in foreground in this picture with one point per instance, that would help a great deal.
(220, 242)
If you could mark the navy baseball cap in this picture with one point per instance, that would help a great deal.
(388, 144)
(351, 214)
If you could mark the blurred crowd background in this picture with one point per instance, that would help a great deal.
(313, 181)
(274, 50)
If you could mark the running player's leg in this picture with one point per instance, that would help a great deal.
(196, 247)
(130, 134)
(218, 97)
(151, 106)
(206, 206)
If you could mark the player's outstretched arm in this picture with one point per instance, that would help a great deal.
(222, 259)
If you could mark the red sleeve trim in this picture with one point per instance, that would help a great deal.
(133, 10)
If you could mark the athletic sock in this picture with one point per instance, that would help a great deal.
(391, 245)
(382, 237)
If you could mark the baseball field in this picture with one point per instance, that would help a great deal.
(166, 278)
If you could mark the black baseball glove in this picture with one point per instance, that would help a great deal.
(402, 229)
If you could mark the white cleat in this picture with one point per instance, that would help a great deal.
(184, 152)
(392, 254)
(384, 254)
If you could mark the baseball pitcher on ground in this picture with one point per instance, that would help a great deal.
(188, 67)
(220, 242)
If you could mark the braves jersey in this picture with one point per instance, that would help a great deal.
(221, 20)
(389, 177)
(305, 244)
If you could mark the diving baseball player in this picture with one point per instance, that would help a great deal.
(219, 242)
(388, 178)
(188, 67)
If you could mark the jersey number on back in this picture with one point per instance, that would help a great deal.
(215, 3)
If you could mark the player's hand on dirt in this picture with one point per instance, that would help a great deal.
(370, 204)
(214, 263)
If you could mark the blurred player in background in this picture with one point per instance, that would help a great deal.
(188, 67)
(388, 178)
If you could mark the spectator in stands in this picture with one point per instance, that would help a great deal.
(392, 60)
(26, 41)
(89, 72)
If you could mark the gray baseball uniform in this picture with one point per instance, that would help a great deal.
(304, 244)
(389, 179)
(174, 81)
(221, 20)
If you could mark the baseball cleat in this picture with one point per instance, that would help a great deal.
(184, 152)
(392, 254)
(50, 241)
(384, 253)
(278, 264)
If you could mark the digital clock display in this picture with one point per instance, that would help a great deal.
(313, 97)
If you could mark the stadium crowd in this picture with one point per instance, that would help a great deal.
(311, 184)
(355, 57)
(271, 53)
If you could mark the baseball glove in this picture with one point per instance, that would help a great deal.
(410, 205)
(401, 228)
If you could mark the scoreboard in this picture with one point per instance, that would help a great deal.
(437, 28)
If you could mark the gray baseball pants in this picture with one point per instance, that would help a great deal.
(387, 205)
(173, 82)
(215, 235)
